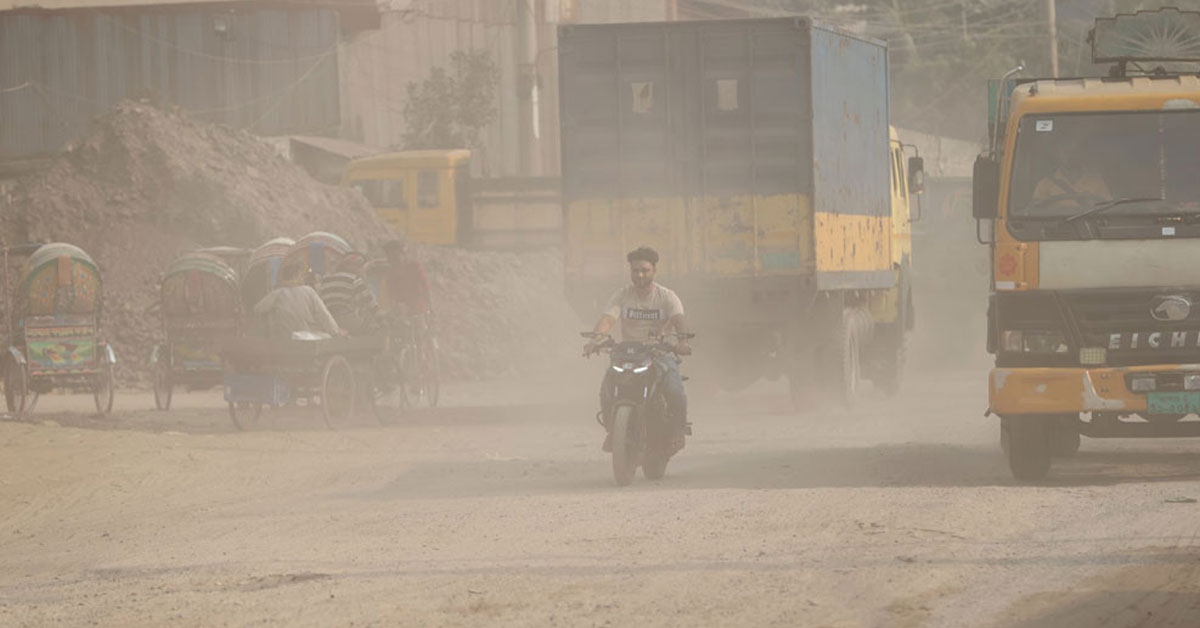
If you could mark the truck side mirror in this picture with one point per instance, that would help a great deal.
(916, 175)
(985, 188)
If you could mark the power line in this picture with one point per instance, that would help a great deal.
(204, 55)
(16, 88)
(285, 92)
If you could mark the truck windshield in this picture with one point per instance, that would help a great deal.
(1068, 163)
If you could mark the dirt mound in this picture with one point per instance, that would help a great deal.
(145, 185)
(501, 313)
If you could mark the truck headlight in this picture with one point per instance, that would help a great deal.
(1191, 382)
(1093, 356)
(1012, 341)
(1145, 383)
(1024, 341)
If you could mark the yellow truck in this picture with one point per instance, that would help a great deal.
(756, 157)
(1091, 191)
(430, 196)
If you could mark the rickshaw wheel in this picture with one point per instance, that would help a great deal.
(102, 390)
(163, 387)
(245, 418)
(430, 374)
(337, 391)
(16, 389)
(386, 394)
(412, 378)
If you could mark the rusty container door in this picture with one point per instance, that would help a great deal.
(851, 187)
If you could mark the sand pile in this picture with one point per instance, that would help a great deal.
(144, 185)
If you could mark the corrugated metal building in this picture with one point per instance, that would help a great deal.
(281, 67)
(417, 35)
(271, 68)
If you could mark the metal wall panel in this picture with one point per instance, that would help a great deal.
(269, 71)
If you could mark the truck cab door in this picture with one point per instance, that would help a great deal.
(433, 218)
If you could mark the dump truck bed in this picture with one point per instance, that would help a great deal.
(737, 148)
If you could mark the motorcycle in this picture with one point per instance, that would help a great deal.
(640, 430)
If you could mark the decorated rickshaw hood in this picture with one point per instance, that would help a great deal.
(59, 278)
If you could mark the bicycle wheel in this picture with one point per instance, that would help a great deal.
(16, 389)
(163, 386)
(337, 392)
(386, 392)
(431, 379)
(245, 415)
(102, 390)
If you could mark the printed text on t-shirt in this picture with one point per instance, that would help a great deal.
(642, 315)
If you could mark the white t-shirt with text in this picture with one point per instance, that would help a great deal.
(640, 318)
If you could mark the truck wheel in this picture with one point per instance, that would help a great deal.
(848, 371)
(1028, 449)
(894, 349)
(1064, 436)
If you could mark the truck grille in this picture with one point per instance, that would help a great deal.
(1124, 322)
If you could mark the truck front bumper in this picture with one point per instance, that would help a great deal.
(1071, 390)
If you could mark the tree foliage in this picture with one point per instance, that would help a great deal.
(450, 108)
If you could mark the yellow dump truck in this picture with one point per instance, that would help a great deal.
(756, 157)
(1091, 192)
(431, 196)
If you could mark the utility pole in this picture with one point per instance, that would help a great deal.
(527, 97)
(1051, 18)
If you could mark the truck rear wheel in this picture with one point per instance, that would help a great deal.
(847, 371)
(1026, 443)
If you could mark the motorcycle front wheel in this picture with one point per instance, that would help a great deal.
(654, 467)
(624, 446)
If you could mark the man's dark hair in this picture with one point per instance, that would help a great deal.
(291, 272)
(643, 254)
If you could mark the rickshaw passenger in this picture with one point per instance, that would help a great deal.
(348, 297)
(295, 307)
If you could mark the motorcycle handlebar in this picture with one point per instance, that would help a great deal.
(608, 342)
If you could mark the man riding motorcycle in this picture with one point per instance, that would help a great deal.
(646, 311)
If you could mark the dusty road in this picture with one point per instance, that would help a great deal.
(500, 511)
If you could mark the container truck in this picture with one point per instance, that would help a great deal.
(756, 156)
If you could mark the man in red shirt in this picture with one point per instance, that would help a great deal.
(407, 285)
